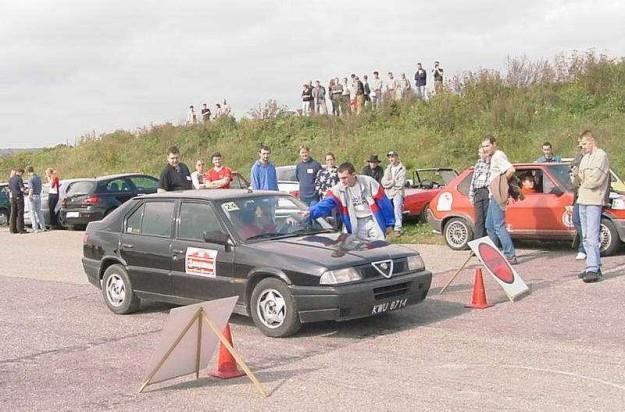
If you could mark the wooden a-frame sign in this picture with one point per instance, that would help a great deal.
(189, 340)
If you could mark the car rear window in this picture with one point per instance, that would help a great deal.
(82, 187)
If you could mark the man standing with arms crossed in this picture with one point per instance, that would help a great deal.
(593, 179)
(501, 170)
(393, 181)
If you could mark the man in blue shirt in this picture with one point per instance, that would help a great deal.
(263, 175)
(306, 173)
(34, 199)
(548, 155)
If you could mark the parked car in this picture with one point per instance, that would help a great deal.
(5, 204)
(541, 215)
(616, 184)
(191, 246)
(421, 189)
(287, 182)
(87, 200)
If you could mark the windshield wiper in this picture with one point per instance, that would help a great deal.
(267, 235)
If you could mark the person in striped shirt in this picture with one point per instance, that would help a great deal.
(478, 192)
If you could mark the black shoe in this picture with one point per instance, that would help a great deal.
(581, 274)
(592, 277)
(512, 260)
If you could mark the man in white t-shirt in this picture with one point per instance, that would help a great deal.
(500, 168)
(393, 181)
(376, 90)
(197, 177)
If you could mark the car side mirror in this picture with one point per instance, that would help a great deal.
(218, 238)
(557, 191)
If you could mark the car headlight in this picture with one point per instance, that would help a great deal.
(335, 277)
(618, 203)
(415, 263)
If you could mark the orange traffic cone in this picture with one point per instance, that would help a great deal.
(226, 365)
(478, 300)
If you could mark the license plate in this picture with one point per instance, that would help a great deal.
(72, 214)
(388, 306)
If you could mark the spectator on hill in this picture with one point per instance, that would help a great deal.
(37, 220)
(365, 209)
(319, 96)
(373, 168)
(420, 81)
(501, 171)
(263, 174)
(391, 85)
(197, 177)
(345, 100)
(402, 90)
(438, 78)
(219, 111)
(175, 175)
(393, 181)
(353, 91)
(219, 176)
(367, 88)
(592, 177)
(478, 191)
(307, 100)
(306, 173)
(548, 155)
(191, 116)
(53, 196)
(16, 189)
(360, 95)
(376, 89)
(206, 114)
(225, 109)
(336, 90)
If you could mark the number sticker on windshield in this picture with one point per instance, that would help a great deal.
(201, 262)
(230, 207)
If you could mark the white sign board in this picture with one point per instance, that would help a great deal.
(497, 265)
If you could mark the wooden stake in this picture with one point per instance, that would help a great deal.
(456, 274)
(171, 348)
(235, 355)
(199, 347)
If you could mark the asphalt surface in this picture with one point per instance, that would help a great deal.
(559, 348)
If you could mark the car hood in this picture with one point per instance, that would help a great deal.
(332, 249)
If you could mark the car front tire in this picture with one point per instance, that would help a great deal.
(457, 233)
(273, 309)
(4, 217)
(608, 236)
(117, 291)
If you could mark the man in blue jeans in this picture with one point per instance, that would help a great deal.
(593, 179)
(500, 168)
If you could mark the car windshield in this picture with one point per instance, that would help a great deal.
(286, 173)
(82, 187)
(270, 217)
(561, 173)
(434, 177)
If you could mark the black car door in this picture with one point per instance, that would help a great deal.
(201, 270)
(146, 246)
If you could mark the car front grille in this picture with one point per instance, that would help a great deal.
(391, 291)
(369, 272)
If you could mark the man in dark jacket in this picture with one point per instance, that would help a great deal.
(373, 168)
(306, 174)
(16, 188)
(420, 80)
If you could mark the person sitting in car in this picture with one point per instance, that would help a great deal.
(528, 184)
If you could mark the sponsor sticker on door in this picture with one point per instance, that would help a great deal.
(201, 262)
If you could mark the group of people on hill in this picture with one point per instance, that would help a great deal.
(354, 94)
(205, 115)
(493, 187)
(32, 191)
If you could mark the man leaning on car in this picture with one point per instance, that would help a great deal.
(175, 176)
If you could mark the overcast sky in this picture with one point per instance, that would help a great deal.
(71, 67)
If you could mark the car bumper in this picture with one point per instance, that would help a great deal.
(360, 300)
(92, 269)
(80, 217)
(620, 228)
(434, 222)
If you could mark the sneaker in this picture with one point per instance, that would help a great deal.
(592, 277)
(580, 256)
(398, 233)
(512, 260)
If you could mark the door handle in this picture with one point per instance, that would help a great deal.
(127, 246)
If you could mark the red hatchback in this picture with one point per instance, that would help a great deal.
(541, 215)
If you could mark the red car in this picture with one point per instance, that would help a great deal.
(541, 215)
(426, 184)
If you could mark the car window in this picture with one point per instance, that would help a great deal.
(238, 182)
(157, 218)
(561, 173)
(144, 183)
(133, 223)
(195, 219)
(115, 186)
(465, 185)
(286, 173)
(81, 187)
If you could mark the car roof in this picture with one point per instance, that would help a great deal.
(215, 194)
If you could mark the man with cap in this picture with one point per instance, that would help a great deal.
(393, 182)
(373, 168)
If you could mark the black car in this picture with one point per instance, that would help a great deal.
(87, 200)
(5, 204)
(192, 246)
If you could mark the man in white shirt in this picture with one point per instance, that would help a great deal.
(191, 116)
(376, 90)
(391, 85)
(393, 182)
(197, 177)
(500, 168)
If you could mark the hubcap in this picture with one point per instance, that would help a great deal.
(457, 234)
(271, 308)
(605, 238)
(115, 290)
(3, 219)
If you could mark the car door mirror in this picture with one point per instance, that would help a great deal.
(218, 238)
(557, 191)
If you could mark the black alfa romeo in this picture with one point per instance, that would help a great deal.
(193, 246)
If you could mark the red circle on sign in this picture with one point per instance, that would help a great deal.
(496, 263)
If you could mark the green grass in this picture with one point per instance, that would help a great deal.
(418, 232)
